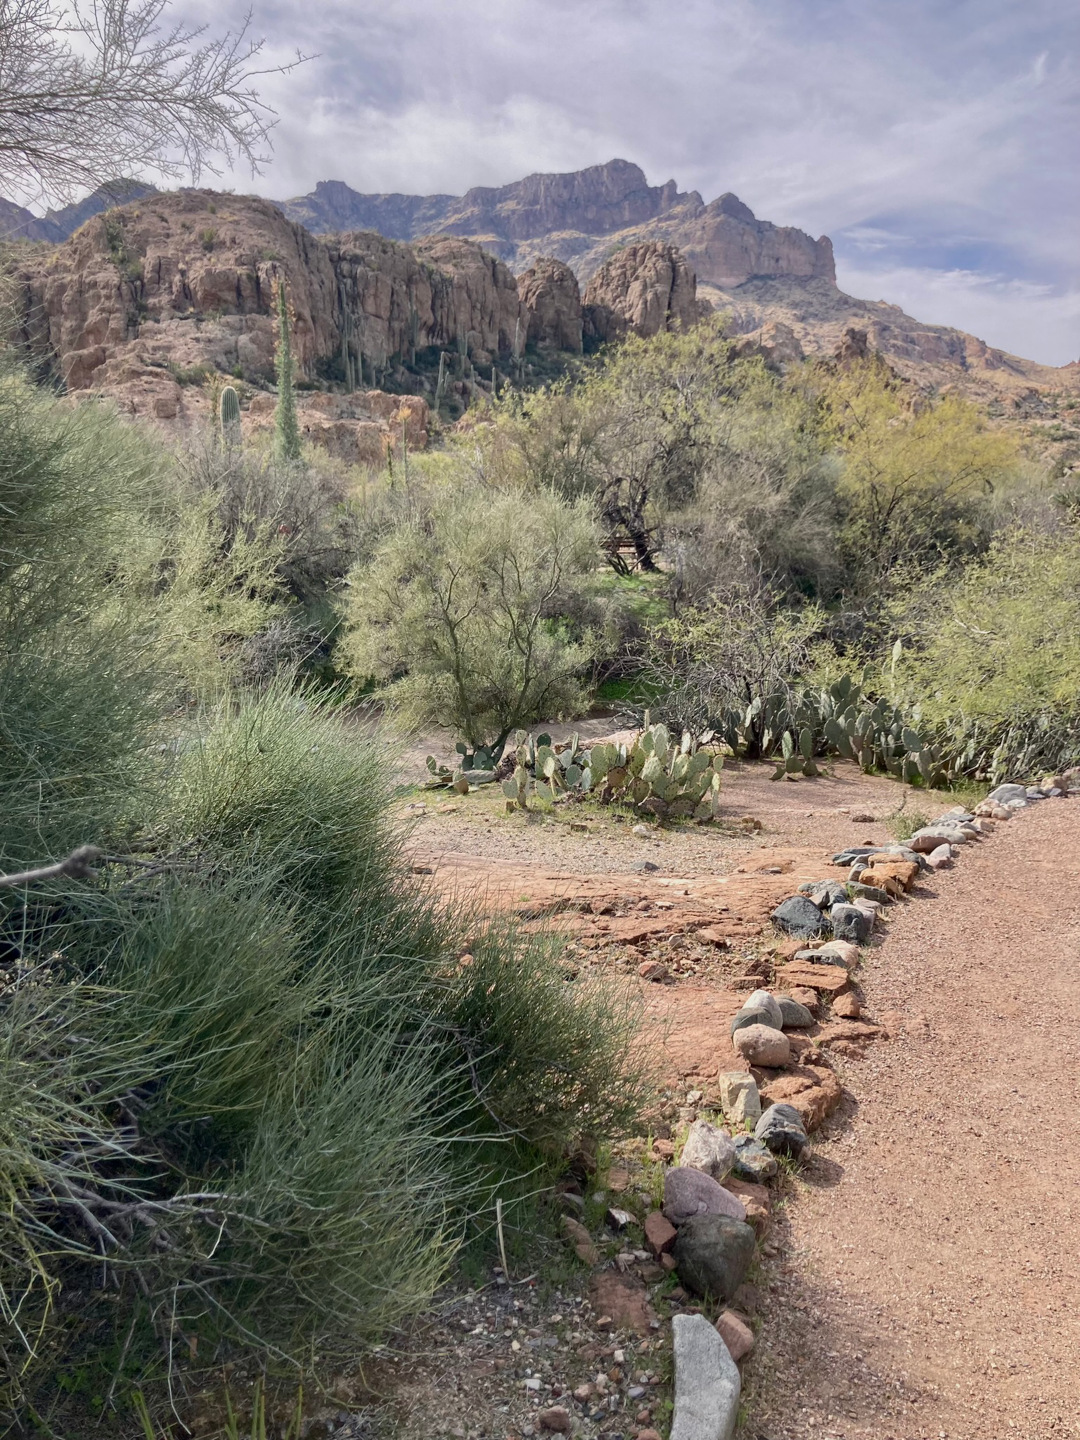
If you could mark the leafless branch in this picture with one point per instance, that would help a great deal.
(98, 90)
(78, 866)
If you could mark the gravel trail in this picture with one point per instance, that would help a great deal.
(929, 1284)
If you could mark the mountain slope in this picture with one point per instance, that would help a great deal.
(762, 273)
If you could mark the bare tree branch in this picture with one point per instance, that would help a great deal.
(105, 89)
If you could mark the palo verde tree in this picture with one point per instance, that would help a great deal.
(456, 612)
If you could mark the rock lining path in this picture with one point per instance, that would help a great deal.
(929, 1282)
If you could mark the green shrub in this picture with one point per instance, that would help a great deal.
(457, 613)
(992, 656)
(243, 1077)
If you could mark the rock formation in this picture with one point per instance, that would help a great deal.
(646, 288)
(549, 291)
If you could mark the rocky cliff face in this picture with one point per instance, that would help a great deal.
(575, 216)
(597, 201)
(645, 288)
(186, 280)
(552, 298)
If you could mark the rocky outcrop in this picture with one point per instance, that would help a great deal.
(186, 280)
(596, 201)
(566, 215)
(645, 288)
(550, 294)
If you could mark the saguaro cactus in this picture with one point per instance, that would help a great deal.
(229, 417)
(286, 425)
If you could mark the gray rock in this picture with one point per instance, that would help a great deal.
(707, 1383)
(1004, 793)
(799, 916)
(824, 892)
(1034, 793)
(855, 852)
(712, 1254)
(709, 1149)
(753, 1160)
(781, 1130)
(931, 836)
(941, 858)
(689, 1192)
(795, 1016)
(753, 1016)
(647, 867)
(906, 853)
(824, 956)
(767, 1001)
(851, 923)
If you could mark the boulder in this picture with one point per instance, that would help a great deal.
(753, 1161)
(762, 1045)
(941, 858)
(709, 1149)
(549, 291)
(765, 1000)
(781, 1130)
(870, 892)
(1003, 793)
(644, 288)
(813, 1091)
(752, 1015)
(794, 1015)
(926, 840)
(799, 916)
(689, 1192)
(824, 893)
(851, 923)
(739, 1097)
(713, 1254)
(707, 1384)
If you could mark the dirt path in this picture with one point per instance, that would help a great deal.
(930, 1280)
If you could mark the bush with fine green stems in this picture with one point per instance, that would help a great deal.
(275, 1023)
(457, 614)
(244, 1080)
(992, 655)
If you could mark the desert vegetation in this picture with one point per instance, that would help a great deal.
(259, 1086)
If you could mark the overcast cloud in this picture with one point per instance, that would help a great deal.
(936, 141)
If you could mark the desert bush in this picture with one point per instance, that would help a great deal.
(250, 1100)
(745, 654)
(992, 655)
(457, 614)
(919, 478)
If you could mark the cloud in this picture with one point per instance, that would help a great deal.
(921, 121)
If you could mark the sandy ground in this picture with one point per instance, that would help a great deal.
(931, 1284)
(922, 1278)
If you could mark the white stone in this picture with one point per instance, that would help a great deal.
(707, 1384)
(739, 1097)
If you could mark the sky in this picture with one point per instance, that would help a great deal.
(936, 141)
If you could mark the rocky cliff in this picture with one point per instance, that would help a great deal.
(645, 288)
(147, 302)
(575, 217)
